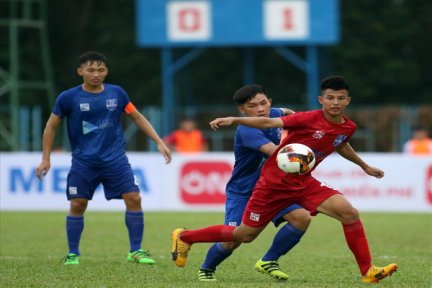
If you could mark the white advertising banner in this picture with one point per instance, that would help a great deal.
(196, 182)
(405, 187)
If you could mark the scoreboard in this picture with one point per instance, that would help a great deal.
(209, 23)
(198, 24)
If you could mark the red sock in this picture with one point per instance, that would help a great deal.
(357, 242)
(216, 233)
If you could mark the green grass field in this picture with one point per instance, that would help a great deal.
(33, 245)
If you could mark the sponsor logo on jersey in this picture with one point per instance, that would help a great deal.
(254, 216)
(88, 127)
(339, 139)
(111, 104)
(318, 134)
(106, 124)
(85, 106)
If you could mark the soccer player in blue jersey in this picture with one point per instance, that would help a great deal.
(93, 111)
(252, 146)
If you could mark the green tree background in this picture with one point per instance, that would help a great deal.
(384, 52)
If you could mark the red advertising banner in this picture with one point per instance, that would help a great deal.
(203, 182)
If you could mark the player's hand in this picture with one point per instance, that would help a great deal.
(43, 168)
(216, 123)
(375, 172)
(166, 152)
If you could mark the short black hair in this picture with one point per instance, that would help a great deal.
(92, 56)
(247, 92)
(334, 83)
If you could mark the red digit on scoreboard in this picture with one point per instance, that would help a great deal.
(288, 19)
(189, 20)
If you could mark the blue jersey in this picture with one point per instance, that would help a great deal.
(94, 123)
(248, 158)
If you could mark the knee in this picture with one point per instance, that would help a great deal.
(231, 246)
(299, 218)
(349, 215)
(132, 201)
(78, 207)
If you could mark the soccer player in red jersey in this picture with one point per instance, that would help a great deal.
(324, 131)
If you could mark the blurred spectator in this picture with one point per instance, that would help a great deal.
(420, 143)
(188, 138)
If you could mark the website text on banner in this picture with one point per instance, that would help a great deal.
(197, 182)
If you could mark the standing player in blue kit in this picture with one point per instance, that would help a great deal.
(93, 111)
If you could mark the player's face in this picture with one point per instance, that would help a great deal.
(93, 74)
(334, 102)
(257, 106)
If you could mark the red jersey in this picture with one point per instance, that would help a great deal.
(313, 130)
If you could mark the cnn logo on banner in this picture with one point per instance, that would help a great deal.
(204, 182)
(188, 20)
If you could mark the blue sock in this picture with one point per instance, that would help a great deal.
(135, 225)
(74, 228)
(285, 239)
(215, 255)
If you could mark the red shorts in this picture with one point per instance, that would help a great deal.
(266, 203)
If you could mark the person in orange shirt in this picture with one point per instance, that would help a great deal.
(187, 139)
(420, 143)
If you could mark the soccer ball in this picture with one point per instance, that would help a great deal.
(295, 158)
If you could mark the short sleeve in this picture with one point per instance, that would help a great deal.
(251, 137)
(61, 107)
(293, 120)
(124, 99)
(276, 112)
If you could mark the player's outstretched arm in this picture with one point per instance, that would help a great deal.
(287, 111)
(47, 144)
(255, 122)
(145, 126)
(346, 151)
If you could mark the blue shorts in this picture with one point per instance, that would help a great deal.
(116, 180)
(234, 209)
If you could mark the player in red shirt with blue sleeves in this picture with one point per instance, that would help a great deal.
(324, 131)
